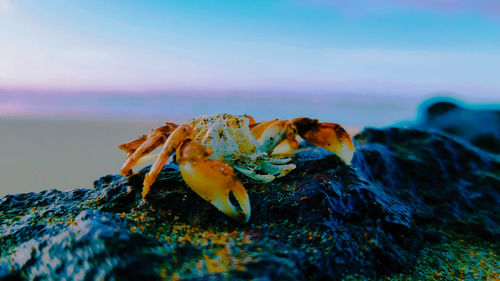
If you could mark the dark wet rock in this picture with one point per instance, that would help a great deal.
(441, 181)
(115, 193)
(406, 189)
(6, 274)
(32, 215)
(319, 222)
(479, 127)
(97, 246)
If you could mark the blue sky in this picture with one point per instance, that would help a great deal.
(404, 47)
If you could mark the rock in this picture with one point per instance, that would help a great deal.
(6, 274)
(441, 181)
(479, 127)
(32, 215)
(97, 246)
(406, 189)
(320, 221)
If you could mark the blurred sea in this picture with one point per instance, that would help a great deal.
(349, 110)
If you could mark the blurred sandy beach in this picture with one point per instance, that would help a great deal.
(62, 154)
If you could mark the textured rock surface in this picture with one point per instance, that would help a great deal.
(440, 180)
(478, 127)
(405, 189)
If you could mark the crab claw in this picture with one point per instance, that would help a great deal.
(330, 136)
(269, 134)
(214, 181)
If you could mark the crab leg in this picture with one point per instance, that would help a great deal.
(251, 121)
(214, 180)
(330, 136)
(146, 147)
(270, 133)
(287, 145)
(131, 146)
(173, 141)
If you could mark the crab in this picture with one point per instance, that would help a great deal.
(210, 149)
